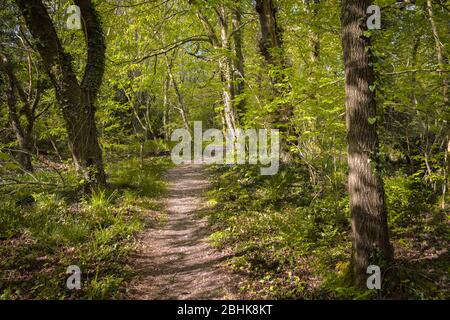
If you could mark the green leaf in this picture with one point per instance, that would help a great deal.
(367, 33)
(372, 120)
(11, 166)
(4, 156)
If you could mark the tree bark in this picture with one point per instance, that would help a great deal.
(239, 72)
(314, 37)
(22, 131)
(271, 48)
(442, 58)
(226, 73)
(221, 43)
(367, 199)
(166, 110)
(270, 43)
(182, 106)
(76, 100)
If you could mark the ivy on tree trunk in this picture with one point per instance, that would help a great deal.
(76, 99)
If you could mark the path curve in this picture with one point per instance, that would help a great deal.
(176, 261)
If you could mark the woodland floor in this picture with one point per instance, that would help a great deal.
(174, 260)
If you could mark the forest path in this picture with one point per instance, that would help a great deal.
(175, 260)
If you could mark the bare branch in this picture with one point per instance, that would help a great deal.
(171, 47)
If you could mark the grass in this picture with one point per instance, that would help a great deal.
(293, 241)
(44, 229)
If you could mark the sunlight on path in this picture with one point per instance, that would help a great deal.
(176, 261)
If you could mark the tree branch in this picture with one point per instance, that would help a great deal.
(171, 47)
(95, 65)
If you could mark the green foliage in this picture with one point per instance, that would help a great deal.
(280, 233)
(128, 174)
(408, 201)
(10, 219)
(41, 237)
(290, 232)
(293, 239)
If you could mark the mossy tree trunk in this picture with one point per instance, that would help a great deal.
(76, 99)
(22, 129)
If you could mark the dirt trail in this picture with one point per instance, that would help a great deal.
(175, 261)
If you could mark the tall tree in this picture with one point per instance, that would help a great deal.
(221, 43)
(441, 56)
(367, 198)
(271, 48)
(29, 102)
(239, 72)
(442, 61)
(76, 99)
(270, 43)
(314, 37)
(181, 104)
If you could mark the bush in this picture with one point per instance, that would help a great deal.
(408, 200)
(285, 233)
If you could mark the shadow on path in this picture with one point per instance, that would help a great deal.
(175, 261)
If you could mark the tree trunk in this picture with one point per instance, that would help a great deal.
(221, 43)
(270, 43)
(226, 73)
(23, 136)
(76, 100)
(314, 37)
(446, 169)
(166, 109)
(271, 48)
(442, 59)
(182, 106)
(22, 132)
(239, 72)
(367, 200)
(227, 96)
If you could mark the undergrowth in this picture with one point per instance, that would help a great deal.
(292, 238)
(46, 228)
